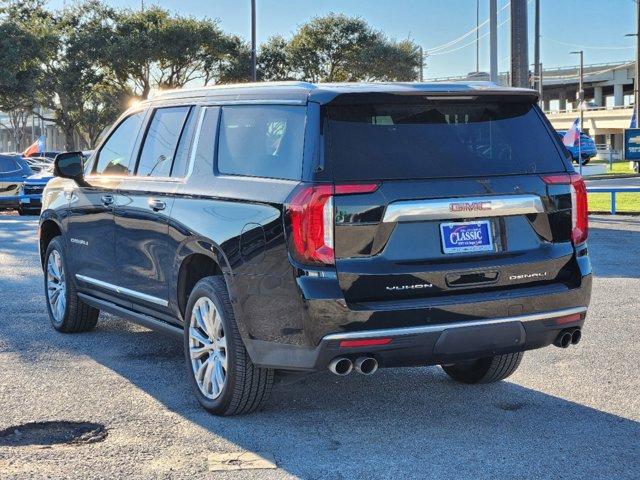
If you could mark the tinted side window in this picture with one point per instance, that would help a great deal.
(8, 165)
(115, 155)
(161, 141)
(262, 141)
(181, 159)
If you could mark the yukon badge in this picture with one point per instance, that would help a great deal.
(417, 286)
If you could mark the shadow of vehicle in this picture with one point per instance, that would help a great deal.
(400, 422)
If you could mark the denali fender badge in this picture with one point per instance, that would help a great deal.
(79, 241)
(417, 286)
(528, 275)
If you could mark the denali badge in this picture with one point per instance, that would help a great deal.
(469, 206)
(417, 286)
(79, 242)
(528, 275)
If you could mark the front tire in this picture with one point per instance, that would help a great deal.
(68, 314)
(485, 370)
(220, 372)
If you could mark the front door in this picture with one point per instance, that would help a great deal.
(91, 229)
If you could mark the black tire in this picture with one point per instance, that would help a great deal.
(585, 161)
(77, 316)
(23, 212)
(246, 387)
(485, 370)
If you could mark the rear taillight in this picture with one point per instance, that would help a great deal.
(311, 217)
(579, 207)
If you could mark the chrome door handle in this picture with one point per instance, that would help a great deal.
(107, 200)
(157, 205)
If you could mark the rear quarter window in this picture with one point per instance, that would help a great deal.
(262, 141)
(439, 140)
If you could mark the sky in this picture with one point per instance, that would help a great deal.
(597, 26)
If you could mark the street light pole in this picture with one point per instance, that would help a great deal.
(254, 76)
(519, 44)
(580, 104)
(537, 74)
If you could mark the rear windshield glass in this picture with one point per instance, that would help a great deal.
(385, 141)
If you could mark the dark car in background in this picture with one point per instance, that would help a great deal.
(31, 192)
(13, 171)
(588, 148)
(341, 227)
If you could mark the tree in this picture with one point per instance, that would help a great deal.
(274, 62)
(153, 49)
(20, 57)
(337, 48)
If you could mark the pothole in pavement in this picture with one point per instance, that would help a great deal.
(53, 433)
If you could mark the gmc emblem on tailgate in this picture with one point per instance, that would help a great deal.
(469, 206)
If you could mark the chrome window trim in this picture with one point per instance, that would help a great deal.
(122, 290)
(195, 143)
(440, 209)
(441, 327)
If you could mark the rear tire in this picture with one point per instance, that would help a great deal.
(68, 314)
(221, 374)
(485, 370)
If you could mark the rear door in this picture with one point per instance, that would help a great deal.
(461, 205)
(144, 250)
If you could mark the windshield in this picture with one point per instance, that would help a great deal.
(393, 141)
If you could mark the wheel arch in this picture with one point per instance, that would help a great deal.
(195, 260)
(48, 230)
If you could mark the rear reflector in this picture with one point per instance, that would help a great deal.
(574, 317)
(371, 342)
(579, 206)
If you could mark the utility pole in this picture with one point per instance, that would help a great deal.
(477, 35)
(493, 40)
(519, 44)
(254, 76)
(537, 73)
(636, 86)
(637, 82)
(581, 104)
(421, 65)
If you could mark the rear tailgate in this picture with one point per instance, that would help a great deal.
(396, 243)
(461, 205)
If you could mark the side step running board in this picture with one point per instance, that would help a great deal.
(135, 317)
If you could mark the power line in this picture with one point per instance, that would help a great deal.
(585, 47)
(463, 36)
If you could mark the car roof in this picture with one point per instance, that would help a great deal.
(303, 92)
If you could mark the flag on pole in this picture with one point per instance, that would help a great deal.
(573, 134)
(634, 118)
(35, 147)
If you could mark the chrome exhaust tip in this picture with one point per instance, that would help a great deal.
(341, 366)
(563, 340)
(576, 335)
(366, 365)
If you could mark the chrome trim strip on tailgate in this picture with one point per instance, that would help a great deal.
(441, 327)
(462, 207)
(122, 290)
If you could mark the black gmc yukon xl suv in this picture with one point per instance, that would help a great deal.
(305, 227)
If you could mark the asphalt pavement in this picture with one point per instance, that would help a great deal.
(570, 413)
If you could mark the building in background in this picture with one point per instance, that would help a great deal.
(608, 94)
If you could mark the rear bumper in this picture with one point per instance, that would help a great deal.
(427, 344)
(10, 201)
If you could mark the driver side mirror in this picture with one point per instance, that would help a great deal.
(69, 165)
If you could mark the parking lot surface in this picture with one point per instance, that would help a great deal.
(570, 413)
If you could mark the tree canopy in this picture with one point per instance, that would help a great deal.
(86, 62)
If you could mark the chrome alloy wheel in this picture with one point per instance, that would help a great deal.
(207, 348)
(56, 286)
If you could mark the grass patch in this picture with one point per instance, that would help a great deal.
(628, 202)
(616, 168)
